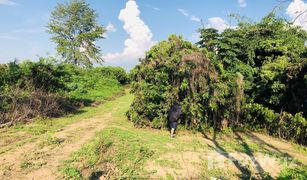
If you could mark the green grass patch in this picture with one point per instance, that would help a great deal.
(298, 173)
(168, 163)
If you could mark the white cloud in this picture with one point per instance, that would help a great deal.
(139, 40)
(195, 37)
(111, 28)
(153, 7)
(218, 23)
(214, 22)
(242, 3)
(7, 2)
(183, 12)
(297, 10)
(192, 17)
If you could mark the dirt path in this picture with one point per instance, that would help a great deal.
(189, 155)
(41, 159)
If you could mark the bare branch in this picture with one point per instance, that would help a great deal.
(299, 15)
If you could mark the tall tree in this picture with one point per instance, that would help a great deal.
(75, 29)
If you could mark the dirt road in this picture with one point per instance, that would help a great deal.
(40, 158)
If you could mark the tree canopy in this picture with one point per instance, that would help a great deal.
(75, 29)
(271, 55)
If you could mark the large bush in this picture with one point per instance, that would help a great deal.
(115, 72)
(42, 75)
(177, 71)
(93, 84)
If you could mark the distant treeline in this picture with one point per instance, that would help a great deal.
(254, 75)
(49, 89)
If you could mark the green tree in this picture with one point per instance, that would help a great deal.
(208, 38)
(271, 56)
(75, 29)
(265, 53)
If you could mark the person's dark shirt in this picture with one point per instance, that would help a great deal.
(174, 113)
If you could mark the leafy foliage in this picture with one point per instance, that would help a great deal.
(256, 77)
(75, 29)
(271, 55)
(93, 84)
(49, 89)
(177, 71)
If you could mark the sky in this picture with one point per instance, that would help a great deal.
(133, 26)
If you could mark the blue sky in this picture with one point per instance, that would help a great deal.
(141, 24)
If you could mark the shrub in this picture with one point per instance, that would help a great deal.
(49, 89)
(177, 71)
(92, 84)
(41, 75)
(117, 73)
(283, 125)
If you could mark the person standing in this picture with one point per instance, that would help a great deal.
(174, 114)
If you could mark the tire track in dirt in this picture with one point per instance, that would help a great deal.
(86, 129)
(74, 136)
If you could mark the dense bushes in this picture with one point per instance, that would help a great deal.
(115, 72)
(271, 55)
(42, 75)
(92, 84)
(283, 125)
(48, 89)
(177, 71)
(256, 77)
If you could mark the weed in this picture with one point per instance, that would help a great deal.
(299, 173)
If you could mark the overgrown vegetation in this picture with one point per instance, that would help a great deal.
(50, 89)
(177, 71)
(53, 87)
(253, 75)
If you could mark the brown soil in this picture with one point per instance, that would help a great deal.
(44, 162)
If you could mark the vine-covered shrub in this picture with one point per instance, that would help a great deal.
(177, 71)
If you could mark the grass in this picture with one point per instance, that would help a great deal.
(32, 161)
(85, 158)
(168, 163)
(93, 87)
(216, 172)
(298, 173)
(21, 134)
(122, 151)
